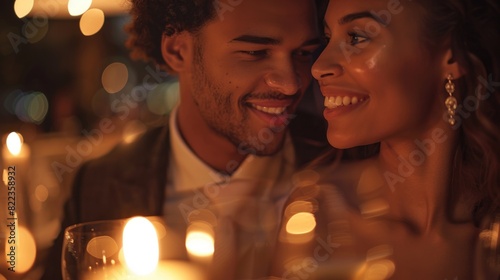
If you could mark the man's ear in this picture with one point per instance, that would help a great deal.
(176, 50)
(451, 66)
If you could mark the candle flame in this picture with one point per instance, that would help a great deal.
(140, 246)
(200, 240)
(14, 143)
(200, 243)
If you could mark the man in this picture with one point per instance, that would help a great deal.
(243, 67)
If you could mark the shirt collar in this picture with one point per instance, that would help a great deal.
(189, 172)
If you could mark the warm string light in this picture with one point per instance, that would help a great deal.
(78, 7)
(114, 77)
(23, 7)
(92, 21)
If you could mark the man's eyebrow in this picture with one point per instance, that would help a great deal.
(270, 41)
(352, 17)
(256, 40)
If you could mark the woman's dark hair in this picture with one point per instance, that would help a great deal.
(473, 28)
(153, 18)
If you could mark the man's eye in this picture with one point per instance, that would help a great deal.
(258, 53)
(355, 38)
(303, 53)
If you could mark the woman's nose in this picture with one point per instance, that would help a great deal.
(326, 66)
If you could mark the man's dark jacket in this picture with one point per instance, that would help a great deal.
(130, 180)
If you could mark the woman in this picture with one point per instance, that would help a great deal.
(420, 80)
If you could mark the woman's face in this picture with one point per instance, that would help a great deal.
(379, 81)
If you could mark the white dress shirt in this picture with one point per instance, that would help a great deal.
(252, 198)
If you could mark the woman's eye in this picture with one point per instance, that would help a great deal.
(355, 38)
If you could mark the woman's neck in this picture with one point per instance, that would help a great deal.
(417, 173)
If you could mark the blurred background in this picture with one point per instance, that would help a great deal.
(68, 92)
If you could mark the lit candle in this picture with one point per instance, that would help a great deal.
(141, 258)
(15, 151)
(19, 244)
(15, 155)
(200, 242)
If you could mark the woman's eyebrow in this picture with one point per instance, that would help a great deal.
(365, 14)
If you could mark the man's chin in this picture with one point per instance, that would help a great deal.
(268, 148)
(268, 152)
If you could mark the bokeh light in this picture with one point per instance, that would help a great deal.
(23, 7)
(78, 7)
(38, 107)
(132, 130)
(101, 247)
(11, 100)
(380, 270)
(41, 193)
(301, 223)
(26, 250)
(5, 177)
(114, 77)
(28, 107)
(200, 241)
(91, 22)
(162, 99)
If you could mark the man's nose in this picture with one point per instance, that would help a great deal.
(284, 79)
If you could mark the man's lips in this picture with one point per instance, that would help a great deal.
(269, 110)
(274, 113)
(272, 107)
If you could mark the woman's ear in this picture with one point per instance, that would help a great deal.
(176, 50)
(451, 66)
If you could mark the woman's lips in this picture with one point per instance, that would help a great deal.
(332, 102)
(339, 101)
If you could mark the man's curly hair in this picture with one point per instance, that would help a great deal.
(153, 18)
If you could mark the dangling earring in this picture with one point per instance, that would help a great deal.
(451, 102)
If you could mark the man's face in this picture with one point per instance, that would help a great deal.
(251, 66)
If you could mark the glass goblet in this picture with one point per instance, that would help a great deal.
(92, 250)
